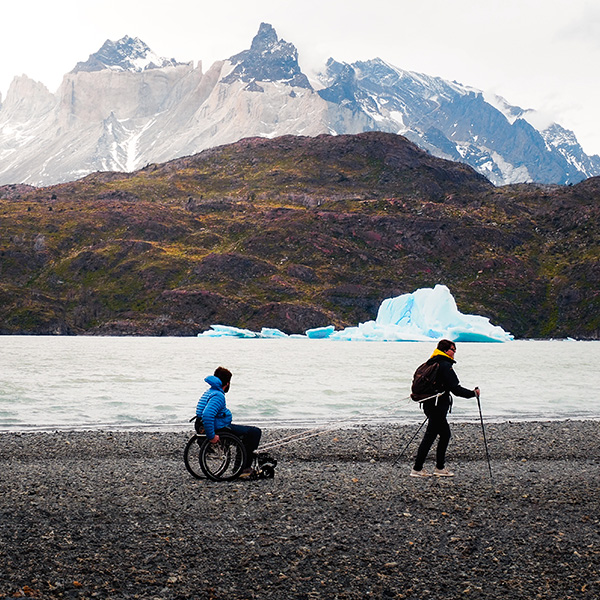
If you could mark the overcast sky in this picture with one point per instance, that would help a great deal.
(541, 54)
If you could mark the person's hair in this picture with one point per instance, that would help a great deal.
(445, 345)
(223, 374)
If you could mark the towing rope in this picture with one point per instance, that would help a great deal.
(329, 426)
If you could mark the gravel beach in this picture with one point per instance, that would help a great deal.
(116, 515)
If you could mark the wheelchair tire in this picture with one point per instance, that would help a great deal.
(191, 456)
(223, 461)
(268, 471)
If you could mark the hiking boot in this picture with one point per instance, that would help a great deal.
(421, 473)
(443, 472)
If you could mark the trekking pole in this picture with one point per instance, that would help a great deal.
(409, 442)
(487, 454)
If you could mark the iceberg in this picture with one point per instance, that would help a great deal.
(269, 332)
(228, 331)
(424, 315)
(320, 333)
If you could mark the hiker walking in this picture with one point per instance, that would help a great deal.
(437, 408)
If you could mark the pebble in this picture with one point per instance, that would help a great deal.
(116, 515)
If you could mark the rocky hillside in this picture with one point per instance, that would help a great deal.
(294, 233)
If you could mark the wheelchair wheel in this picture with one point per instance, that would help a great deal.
(268, 471)
(224, 460)
(191, 456)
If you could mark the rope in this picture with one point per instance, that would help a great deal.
(305, 435)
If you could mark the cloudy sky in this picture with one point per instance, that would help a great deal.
(542, 54)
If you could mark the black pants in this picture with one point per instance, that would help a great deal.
(250, 437)
(436, 425)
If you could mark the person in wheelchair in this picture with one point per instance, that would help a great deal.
(213, 416)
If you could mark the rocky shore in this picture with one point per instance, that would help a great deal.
(116, 515)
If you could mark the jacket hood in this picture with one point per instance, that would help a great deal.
(214, 382)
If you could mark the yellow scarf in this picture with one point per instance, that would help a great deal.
(437, 352)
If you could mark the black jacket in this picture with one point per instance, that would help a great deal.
(447, 382)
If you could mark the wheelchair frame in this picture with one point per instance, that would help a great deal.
(224, 461)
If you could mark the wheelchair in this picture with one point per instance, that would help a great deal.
(224, 461)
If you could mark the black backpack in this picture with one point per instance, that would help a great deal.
(424, 384)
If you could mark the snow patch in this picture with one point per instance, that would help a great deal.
(510, 173)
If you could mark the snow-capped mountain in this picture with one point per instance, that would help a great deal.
(127, 54)
(459, 123)
(269, 59)
(125, 107)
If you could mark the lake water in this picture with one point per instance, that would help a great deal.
(60, 383)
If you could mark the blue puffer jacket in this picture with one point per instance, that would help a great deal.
(211, 407)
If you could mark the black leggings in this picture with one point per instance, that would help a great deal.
(437, 425)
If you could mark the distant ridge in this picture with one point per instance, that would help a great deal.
(126, 107)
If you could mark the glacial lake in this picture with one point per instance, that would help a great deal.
(64, 383)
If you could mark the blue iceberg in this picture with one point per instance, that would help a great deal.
(269, 332)
(320, 333)
(228, 331)
(425, 315)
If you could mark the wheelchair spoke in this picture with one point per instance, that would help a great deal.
(224, 460)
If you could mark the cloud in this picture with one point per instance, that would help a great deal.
(582, 27)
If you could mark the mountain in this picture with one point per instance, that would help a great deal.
(126, 107)
(127, 54)
(458, 123)
(269, 59)
(295, 232)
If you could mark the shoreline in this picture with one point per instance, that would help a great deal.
(283, 426)
(109, 514)
(356, 441)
